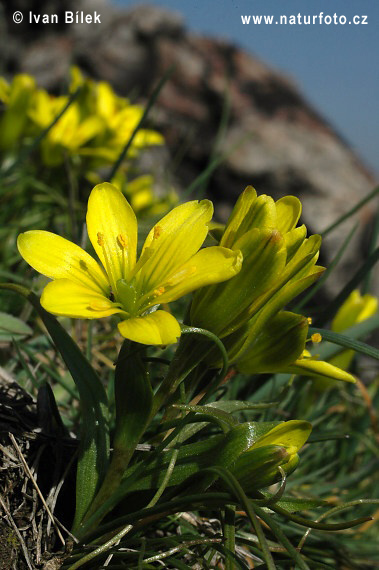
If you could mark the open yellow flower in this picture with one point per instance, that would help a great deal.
(169, 267)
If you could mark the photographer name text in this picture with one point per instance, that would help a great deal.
(78, 17)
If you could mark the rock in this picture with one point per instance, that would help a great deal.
(271, 136)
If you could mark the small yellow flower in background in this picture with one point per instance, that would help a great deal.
(118, 117)
(16, 97)
(356, 309)
(169, 267)
(97, 124)
(141, 195)
(69, 134)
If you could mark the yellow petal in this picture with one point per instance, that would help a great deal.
(224, 308)
(293, 240)
(249, 212)
(354, 310)
(58, 258)
(292, 435)
(316, 368)
(172, 242)
(157, 328)
(207, 266)
(112, 229)
(288, 210)
(69, 299)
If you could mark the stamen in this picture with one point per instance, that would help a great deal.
(159, 291)
(309, 319)
(107, 264)
(122, 241)
(157, 231)
(84, 266)
(316, 337)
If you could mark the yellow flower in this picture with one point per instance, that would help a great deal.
(17, 97)
(279, 262)
(169, 267)
(356, 309)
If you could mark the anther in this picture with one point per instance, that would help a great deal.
(122, 241)
(309, 319)
(100, 239)
(159, 291)
(157, 231)
(316, 337)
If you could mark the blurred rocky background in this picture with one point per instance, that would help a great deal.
(218, 101)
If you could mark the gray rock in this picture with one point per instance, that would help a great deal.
(272, 137)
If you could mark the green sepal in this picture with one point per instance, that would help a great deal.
(279, 344)
(278, 447)
(244, 342)
(259, 467)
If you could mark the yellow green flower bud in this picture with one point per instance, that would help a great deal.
(259, 466)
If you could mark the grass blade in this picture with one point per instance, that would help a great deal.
(351, 212)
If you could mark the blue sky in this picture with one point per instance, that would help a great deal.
(335, 66)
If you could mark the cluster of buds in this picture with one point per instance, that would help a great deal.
(247, 312)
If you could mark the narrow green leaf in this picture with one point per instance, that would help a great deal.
(294, 504)
(347, 342)
(281, 537)
(214, 338)
(224, 419)
(352, 211)
(133, 397)
(12, 328)
(232, 406)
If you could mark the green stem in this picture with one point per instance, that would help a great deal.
(189, 355)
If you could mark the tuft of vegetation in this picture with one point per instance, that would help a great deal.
(250, 443)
